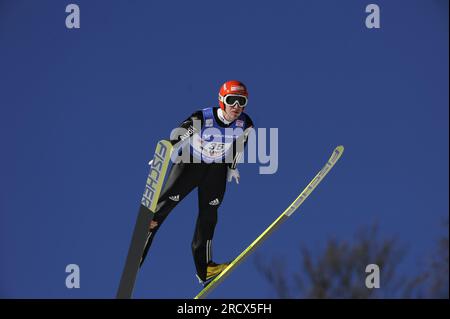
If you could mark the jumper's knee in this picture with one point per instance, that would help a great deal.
(153, 224)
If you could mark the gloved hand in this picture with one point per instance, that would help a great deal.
(233, 173)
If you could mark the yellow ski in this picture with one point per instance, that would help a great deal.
(155, 178)
(337, 153)
(153, 186)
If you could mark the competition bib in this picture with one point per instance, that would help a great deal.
(214, 142)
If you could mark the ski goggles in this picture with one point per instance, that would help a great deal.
(232, 99)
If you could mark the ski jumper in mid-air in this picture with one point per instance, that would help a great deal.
(213, 155)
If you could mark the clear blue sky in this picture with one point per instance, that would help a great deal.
(82, 110)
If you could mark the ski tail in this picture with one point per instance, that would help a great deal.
(132, 262)
(337, 153)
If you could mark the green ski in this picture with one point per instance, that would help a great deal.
(288, 212)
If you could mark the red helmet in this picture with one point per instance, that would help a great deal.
(231, 87)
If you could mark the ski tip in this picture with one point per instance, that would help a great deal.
(340, 148)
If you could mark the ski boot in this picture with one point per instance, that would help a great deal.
(212, 271)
